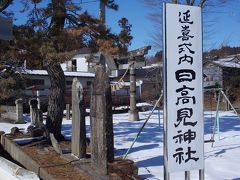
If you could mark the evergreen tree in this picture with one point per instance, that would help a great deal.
(52, 34)
(125, 37)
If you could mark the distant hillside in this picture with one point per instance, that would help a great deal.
(222, 52)
(214, 53)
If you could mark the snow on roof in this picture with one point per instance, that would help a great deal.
(35, 72)
(66, 73)
(138, 83)
(79, 74)
(231, 62)
(153, 66)
(227, 59)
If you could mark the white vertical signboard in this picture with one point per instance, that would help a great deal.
(183, 88)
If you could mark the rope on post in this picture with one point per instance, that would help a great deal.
(119, 84)
(124, 157)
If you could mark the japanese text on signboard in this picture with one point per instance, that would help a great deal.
(184, 115)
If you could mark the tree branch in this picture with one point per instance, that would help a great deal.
(202, 2)
(110, 4)
(192, 3)
(4, 4)
(175, 1)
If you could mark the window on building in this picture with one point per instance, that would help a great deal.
(68, 83)
(209, 78)
(34, 82)
(74, 65)
(89, 83)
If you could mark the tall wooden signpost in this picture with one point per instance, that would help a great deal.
(5, 28)
(183, 110)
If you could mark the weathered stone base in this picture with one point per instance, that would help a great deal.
(133, 115)
(83, 166)
(12, 118)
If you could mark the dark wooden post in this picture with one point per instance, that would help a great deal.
(78, 120)
(102, 145)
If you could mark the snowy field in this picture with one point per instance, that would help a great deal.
(222, 161)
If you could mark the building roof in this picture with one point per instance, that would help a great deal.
(66, 73)
(156, 65)
(83, 51)
(228, 62)
(138, 83)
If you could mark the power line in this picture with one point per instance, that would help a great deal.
(87, 2)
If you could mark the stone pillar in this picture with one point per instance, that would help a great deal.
(38, 99)
(102, 145)
(33, 104)
(133, 112)
(67, 111)
(19, 111)
(78, 120)
(37, 118)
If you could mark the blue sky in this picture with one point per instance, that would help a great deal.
(221, 24)
(136, 13)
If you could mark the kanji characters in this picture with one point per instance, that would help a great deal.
(185, 132)
(185, 75)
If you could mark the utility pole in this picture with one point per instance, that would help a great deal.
(102, 12)
(102, 17)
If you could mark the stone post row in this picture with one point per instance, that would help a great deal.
(78, 120)
(102, 145)
(19, 111)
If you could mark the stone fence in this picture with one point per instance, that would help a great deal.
(6, 108)
(14, 113)
(9, 116)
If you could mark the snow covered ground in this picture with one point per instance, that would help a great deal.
(222, 161)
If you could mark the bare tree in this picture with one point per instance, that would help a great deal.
(156, 14)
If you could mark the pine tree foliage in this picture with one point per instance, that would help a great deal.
(4, 4)
(12, 84)
(54, 31)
